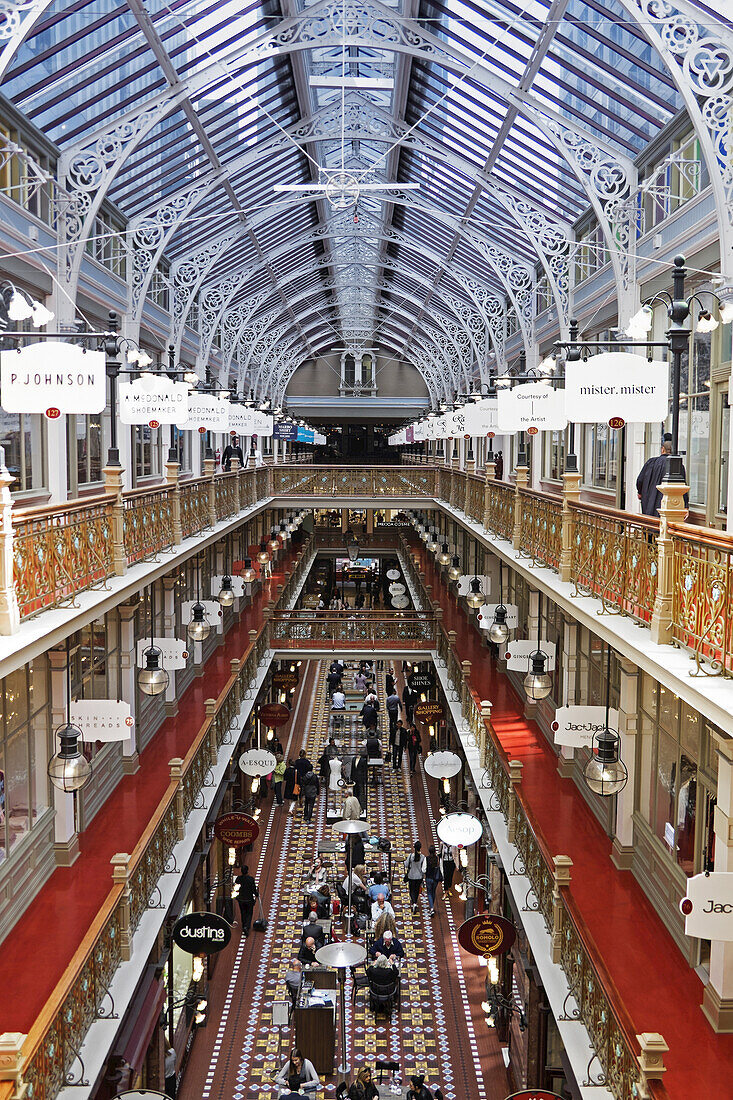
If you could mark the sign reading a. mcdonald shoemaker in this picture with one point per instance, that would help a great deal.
(487, 934)
(236, 828)
(202, 933)
(429, 711)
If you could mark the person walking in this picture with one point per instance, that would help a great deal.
(651, 475)
(302, 767)
(415, 867)
(414, 747)
(447, 865)
(278, 778)
(310, 788)
(394, 706)
(433, 876)
(409, 698)
(248, 893)
(231, 451)
(401, 742)
(290, 778)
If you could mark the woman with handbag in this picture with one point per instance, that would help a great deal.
(433, 876)
(415, 867)
(290, 778)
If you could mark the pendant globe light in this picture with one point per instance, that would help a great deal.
(444, 556)
(274, 543)
(68, 769)
(537, 683)
(153, 679)
(605, 773)
(432, 544)
(499, 631)
(249, 573)
(475, 597)
(199, 627)
(226, 592)
(454, 573)
(263, 557)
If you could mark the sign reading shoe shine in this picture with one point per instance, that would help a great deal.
(577, 726)
(201, 933)
(54, 378)
(102, 719)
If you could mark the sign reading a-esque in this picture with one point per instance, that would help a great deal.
(616, 384)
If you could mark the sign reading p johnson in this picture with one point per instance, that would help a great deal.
(487, 934)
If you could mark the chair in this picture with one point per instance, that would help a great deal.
(360, 982)
(382, 998)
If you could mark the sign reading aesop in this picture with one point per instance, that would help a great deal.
(487, 934)
(236, 828)
(429, 711)
(202, 933)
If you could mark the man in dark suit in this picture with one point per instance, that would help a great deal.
(651, 475)
(248, 892)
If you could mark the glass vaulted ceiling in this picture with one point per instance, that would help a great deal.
(390, 271)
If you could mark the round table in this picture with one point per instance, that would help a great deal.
(393, 574)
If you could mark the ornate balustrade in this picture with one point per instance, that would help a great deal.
(377, 630)
(148, 522)
(474, 498)
(702, 597)
(541, 528)
(226, 494)
(614, 556)
(195, 509)
(499, 514)
(352, 481)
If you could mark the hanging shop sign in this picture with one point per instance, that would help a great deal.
(140, 1094)
(443, 764)
(153, 399)
(532, 405)
(288, 432)
(708, 906)
(212, 610)
(54, 378)
(460, 830)
(482, 417)
(206, 412)
(244, 421)
(455, 424)
(430, 711)
(464, 584)
(174, 652)
(102, 719)
(616, 384)
(534, 1094)
(235, 828)
(257, 762)
(284, 681)
(420, 681)
(217, 581)
(519, 652)
(201, 933)
(577, 726)
(486, 613)
(273, 715)
(410, 434)
(487, 934)
(305, 435)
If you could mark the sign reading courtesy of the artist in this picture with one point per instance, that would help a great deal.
(53, 378)
(616, 384)
(153, 398)
(174, 652)
(206, 411)
(236, 828)
(487, 934)
(577, 726)
(708, 906)
(519, 651)
(202, 933)
(532, 405)
(102, 719)
(482, 417)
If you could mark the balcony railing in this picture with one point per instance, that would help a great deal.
(337, 630)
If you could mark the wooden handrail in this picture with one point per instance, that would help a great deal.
(81, 504)
(634, 518)
(704, 536)
(150, 490)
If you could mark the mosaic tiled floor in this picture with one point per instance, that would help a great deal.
(431, 1034)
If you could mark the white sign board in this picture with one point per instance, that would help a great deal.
(482, 417)
(153, 398)
(577, 726)
(616, 384)
(257, 762)
(174, 652)
(708, 906)
(102, 719)
(206, 411)
(486, 614)
(459, 830)
(212, 610)
(455, 424)
(216, 583)
(419, 432)
(532, 405)
(443, 764)
(519, 652)
(464, 584)
(54, 378)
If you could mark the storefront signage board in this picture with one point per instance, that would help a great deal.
(287, 432)
(482, 417)
(486, 935)
(443, 764)
(212, 610)
(464, 584)
(519, 651)
(257, 762)
(616, 384)
(217, 581)
(153, 398)
(532, 405)
(201, 933)
(284, 681)
(534, 1094)
(576, 727)
(174, 652)
(54, 377)
(273, 715)
(430, 711)
(708, 906)
(207, 412)
(420, 681)
(460, 830)
(487, 612)
(236, 828)
(102, 719)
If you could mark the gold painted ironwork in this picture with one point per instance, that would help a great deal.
(194, 505)
(541, 535)
(147, 522)
(615, 558)
(383, 629)
(702, 613)
(501, 509)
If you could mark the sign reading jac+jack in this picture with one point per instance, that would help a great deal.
(708, 906)
(53, 378)
(577, 726)
(616, 384)
(201, 933)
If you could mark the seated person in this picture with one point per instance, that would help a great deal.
(319, 875)
(338, 700)
(356, 879)
(298, 1066)
(293, 978)
(293, 1088)
(380, 886)
(318, 904)
(363, 1088)
(311, 928)
(387, 945)
(382, 975)
(418, 1090)
(381, 905)
(386, 923)
(307, 953)
(373, 745)
(360, 900)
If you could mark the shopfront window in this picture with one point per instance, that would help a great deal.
(23, 435)
(84, 451)
(554, 456)
(96, 669)
(147, 451)
(601, 456)
(24, 742)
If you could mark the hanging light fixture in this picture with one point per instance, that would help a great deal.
(153, 679)
(274, 543)
(68, 769)
(263, 557)
(292, 526)
(454, 572)
(605, 773)
(249, 574)
(499, 631)
(537, 683)
(226, 592)
(444, 556)
(432, 544)
(475, 597)
(352, 548)
(199, 627)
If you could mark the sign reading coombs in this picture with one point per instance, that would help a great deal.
(460, 830)
(202, 933)
(616, 384)
(708, 906)
(533, 405)
(102, 719)
(174, 652)
(153, 397)
(519, 652)
(429, 711)
(487, 934)
(236, 828)
(52, 377)
(257, 762)
(273, 714)
(577, 726)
